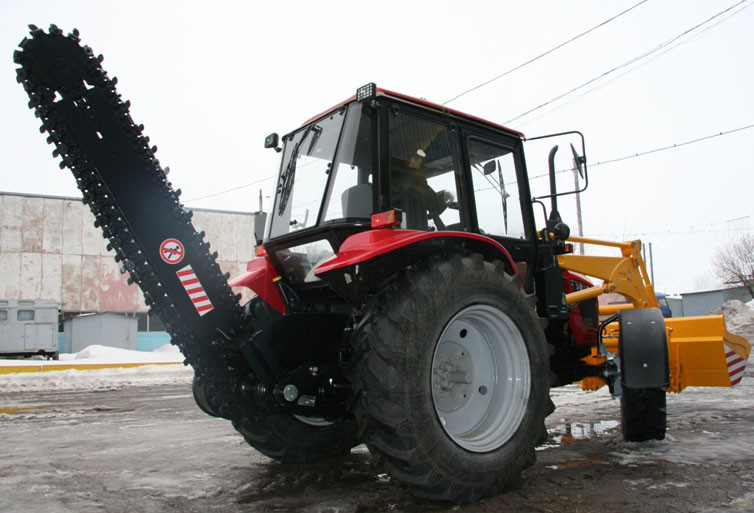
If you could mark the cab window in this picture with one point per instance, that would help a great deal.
(424, 173)
(495, 182)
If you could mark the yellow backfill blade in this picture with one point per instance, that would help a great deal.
(704, 353)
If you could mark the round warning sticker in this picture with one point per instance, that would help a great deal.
(171, 251)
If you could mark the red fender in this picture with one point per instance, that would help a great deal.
(366, 245)
(260, 277)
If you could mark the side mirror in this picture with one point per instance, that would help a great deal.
(271, 141)
(578, 161)
(490, 167)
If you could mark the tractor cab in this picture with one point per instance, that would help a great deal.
(385, 160)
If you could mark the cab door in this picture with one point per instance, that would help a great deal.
(500, 199)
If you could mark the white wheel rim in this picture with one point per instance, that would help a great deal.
(481, 378)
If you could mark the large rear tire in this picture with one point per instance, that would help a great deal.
(451, 365)
(643, 414)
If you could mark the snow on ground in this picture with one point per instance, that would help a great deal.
(99, 379)
(105, 354)
(738, 315)
(97, 354)
(705, 424)
(96, 379)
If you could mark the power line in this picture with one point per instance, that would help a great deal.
(647, 61)
(300, 166)
(230, 190)
(670, 147)
(655, 150)
(684, 232)
(602, 163)
(640, 154)
(561, 45)
(627, 63)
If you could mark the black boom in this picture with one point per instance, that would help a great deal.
(131, 198)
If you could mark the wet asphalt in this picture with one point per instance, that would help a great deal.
(150, 449)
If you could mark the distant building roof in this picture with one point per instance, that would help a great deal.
(73, 198)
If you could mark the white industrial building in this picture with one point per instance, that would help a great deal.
(50, 249)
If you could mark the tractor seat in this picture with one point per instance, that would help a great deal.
(357, 201)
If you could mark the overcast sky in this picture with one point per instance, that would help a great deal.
(210, 79)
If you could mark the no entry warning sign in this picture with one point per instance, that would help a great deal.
(171, 251)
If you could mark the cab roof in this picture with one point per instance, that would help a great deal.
(427, 104)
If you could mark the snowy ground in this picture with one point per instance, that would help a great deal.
(101, 354)
(132, 440)
(98, 379)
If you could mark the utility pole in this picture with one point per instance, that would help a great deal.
(650, 262)
(579, 223)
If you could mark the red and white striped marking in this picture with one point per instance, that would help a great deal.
(195, 290)
(736, 366)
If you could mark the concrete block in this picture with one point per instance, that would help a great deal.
(10, 234)
(71, 283)
(31, 276)
(73, 214)
(10, 275)
(244, 240)
(90, 283)
(52, 277)
(116, 295)
(92, 242)
(52, 238)
(32, 225)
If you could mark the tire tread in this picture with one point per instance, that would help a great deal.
(383, 361)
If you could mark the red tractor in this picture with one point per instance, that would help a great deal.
(405, 296)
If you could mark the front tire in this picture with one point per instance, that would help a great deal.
(452, 369)
(199, 391)
(291, 439)
(285, 437)
(643, 414)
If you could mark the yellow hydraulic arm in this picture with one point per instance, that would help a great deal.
(625, 275)
(700, 349)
